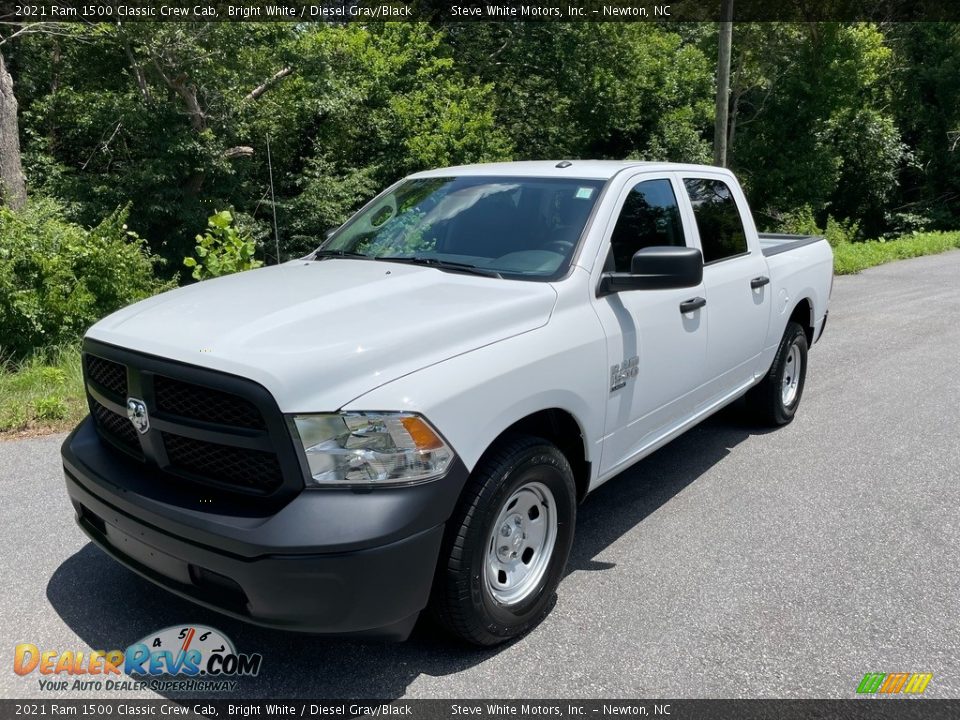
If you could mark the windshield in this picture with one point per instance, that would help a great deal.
(516, 226)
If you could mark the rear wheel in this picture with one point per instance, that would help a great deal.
(774, 401)
(507, 543)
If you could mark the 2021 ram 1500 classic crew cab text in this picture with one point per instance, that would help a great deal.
(409, 416)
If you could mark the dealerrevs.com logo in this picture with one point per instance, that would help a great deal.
(180, 657)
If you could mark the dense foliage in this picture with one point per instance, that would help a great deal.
(57, 278)
(855, 121)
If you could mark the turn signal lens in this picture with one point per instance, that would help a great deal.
(421, 433)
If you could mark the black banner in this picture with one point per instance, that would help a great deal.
(866, 708)
(442, 11)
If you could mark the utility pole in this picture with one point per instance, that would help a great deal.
(723, 85)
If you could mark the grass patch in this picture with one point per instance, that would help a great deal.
(852, 257)
(43, 393)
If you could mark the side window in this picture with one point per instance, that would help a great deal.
(718, 219)
(649, 217)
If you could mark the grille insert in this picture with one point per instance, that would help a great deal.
(250, 470)
(109, 375)
(117, 427)
(201, 403)
(207, 428)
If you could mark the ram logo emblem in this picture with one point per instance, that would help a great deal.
(137, 412)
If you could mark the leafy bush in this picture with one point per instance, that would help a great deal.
(58, 278)
(223, 249)
(802, 222)
(839, 232)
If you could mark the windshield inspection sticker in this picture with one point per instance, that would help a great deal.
(584, 193)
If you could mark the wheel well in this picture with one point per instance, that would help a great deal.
(803, 315)
(561, 428)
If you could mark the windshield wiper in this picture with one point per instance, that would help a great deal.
(442, 265)
(338, 253)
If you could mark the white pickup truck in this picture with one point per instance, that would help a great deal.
(408, 417)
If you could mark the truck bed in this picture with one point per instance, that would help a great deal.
(776, 243)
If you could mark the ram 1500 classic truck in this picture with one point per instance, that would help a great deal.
(408, 417)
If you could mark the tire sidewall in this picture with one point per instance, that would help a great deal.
(794, 334)
(545, 464)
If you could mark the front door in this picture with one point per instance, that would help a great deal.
(656, 352)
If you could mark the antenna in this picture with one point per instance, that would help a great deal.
(273, 202)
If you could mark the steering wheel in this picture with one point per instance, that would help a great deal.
(561, 247)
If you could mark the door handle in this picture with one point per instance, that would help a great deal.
(759, 282)
(692, 304)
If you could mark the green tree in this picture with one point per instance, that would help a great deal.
(607, 90)
(926, 83)
(825, 138)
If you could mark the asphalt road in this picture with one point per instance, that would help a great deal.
(732, 563)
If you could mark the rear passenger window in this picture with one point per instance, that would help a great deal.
(649, 217)
(718, 219)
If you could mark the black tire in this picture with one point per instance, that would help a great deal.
(765, 400)
(462, 601)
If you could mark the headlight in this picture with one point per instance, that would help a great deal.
(369, 449)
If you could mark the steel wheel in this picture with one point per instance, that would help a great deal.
(521, 544)
(790, 379)
(506, 545)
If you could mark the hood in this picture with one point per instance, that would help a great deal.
(320, 334)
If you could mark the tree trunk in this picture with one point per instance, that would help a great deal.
(732, 133)
(723, 86)
(13, 188)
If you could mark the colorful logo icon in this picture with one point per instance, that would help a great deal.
(893, 683)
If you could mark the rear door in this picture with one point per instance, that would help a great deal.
(656, 352)
(737, 287)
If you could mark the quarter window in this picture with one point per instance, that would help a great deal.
(718, 219)
(649, 217)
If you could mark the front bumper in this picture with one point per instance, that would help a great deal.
(329, 561)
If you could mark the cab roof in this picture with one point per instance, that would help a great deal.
(584, 169)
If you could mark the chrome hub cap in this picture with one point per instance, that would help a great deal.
(521, 544)
(790, 381)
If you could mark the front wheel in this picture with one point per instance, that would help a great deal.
(507, 543)
(774, 401)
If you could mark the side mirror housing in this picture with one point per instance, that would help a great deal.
(657, 268)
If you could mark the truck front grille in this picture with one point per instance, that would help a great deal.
(109, 375)
(200, 403)
(252, 470)
(205, 428)
(116, 428)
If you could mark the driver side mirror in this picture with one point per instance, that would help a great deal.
(656, 268)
